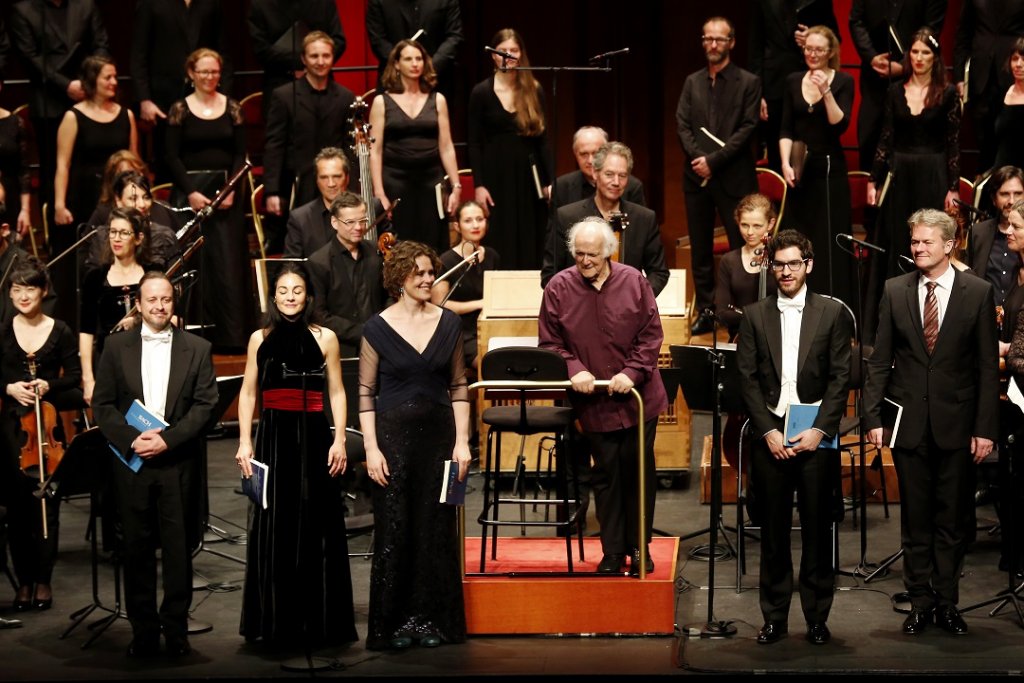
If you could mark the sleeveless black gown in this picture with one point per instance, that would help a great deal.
(298, 587)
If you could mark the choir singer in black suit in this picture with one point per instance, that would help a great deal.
(936, 355)
(171, 372)
(794, 347)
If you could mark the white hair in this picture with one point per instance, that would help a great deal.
(611, 242)
(588, 129)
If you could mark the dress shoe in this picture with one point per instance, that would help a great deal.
(818, 634)
(43, 604)
(21, 605)
(430, 641)
(178, 647)
(139, 649)
(401, 643)
(634, 562)
(917, 621)
(703, 324)
(771, 632)
(950, 621)
(611, 564)
(10, 623)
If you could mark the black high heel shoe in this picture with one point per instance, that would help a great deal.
(21, 604)
(42, 603)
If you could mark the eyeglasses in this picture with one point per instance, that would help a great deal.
(808, 50)
(711, 40)
(354, 221)
(794, 266)
(207, 74)
(122, 234)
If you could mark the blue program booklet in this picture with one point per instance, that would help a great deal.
(140, 418)
(453, 491)
(256, 486)
(801, 416)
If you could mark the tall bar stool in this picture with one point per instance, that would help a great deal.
(525, 364)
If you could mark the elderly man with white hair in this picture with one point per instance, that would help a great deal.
(601, 316)
(575, 186)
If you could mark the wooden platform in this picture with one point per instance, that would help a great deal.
(499, 603)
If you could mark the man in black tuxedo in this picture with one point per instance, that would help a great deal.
(581, 184)
(305, 116)
(794, 347)
(936, 355)
(641, 238)
(347, 275)
(716, 119)
(988, 254)
(391, 21)
(880, 58)
(164, 34)
(171, 372)
(309, 225)
(985, 36)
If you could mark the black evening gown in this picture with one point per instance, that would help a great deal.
(504, 161)
(410, 170)
(923, 154)
(819, 206)
(1009, 134)
(201, 155)
(298, 588)
(14, 172)
(416, 581)
(94, 143)
(469, 288)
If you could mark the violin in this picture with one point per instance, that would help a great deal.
(42, 449)
(386, 238)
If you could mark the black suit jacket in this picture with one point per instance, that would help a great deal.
(164, 34)
(49, 58)
(294, 136)
(774, 53)
(985, 35)
(982, 236)
(954, 391)
(823, 364)
(574, 187)
(870, 21)
(278, 52)
(732, 166)
(332, 292)
(306, 231)
(641, 246)
(191, 393)
(389, 21)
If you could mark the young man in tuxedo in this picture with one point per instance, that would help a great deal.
(936, 354)
(794, 347)
(171, 372)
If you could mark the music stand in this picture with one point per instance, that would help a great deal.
(709, 375)
(227, 391)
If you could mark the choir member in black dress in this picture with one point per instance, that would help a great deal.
(741, 270)
(1009, 143)
(108, 292)
(50, 344)
(509, 154)
(298, 590)
(15, 177)
(414, 415)
(205, 147)
(414, 147)
(919, 146)
(816, 110)
(467, 299)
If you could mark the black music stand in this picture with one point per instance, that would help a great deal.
(708, 376)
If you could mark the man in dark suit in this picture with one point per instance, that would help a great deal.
(305, 116)
(348, 284)
(54, 36)
(641, 237)
(164, 34)
(309, 226)
(794, 347)
(988, 253)
(936, 355)
(870, 24)
(716, 119)
(581, 184)
(171, 373)
(984, 37)
(391, 21)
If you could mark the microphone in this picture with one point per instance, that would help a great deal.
(500, 53)
(861, 243)
(605, 55)
(964, 206)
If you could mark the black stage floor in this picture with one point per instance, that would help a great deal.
(865, 627)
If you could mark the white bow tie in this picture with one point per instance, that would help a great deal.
(787, 304)
(161, 337)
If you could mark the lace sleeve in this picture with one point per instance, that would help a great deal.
(369, 363)
(457, 389)
(235, 112)
(1015, 356)
(176, 114)
(952, 105)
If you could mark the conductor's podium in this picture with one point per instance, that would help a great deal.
(512, 301)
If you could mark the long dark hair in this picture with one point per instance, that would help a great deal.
(391, 80)
(309, 316)
(529, 115)
(937, 79)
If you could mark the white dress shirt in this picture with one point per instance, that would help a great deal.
(156, 368)
(791, 310)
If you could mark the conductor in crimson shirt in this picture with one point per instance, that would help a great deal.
(602, 317)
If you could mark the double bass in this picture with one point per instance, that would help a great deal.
(378, 231)
(42, 450)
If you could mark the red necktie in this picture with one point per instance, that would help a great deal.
(931, 317)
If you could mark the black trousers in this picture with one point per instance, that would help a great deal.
(814, 477)
(701, 205)
(936, 515)
(614, 480)
(157, 507)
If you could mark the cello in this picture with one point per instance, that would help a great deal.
(41, 450)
